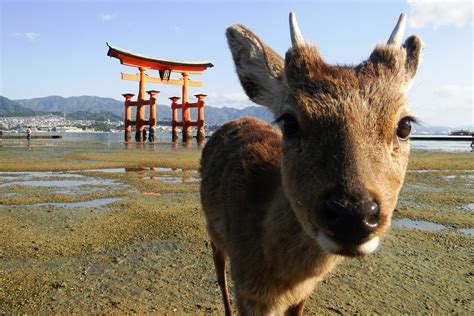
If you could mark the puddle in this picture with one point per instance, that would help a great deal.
(436, 170)
(470, 206)
(10, 194)
(467, 231)
(463, 176)
(406, 223)
(59, 182)
(178, 175)
(82, 204)
(107, 170)
(172, 179)
(140, 169)
(26, 175)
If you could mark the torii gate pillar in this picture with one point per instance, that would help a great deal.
(128, 116)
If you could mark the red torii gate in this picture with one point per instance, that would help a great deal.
(165, 68)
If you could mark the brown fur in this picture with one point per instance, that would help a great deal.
(261, 192)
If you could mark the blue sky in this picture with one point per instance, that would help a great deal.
(58, 47)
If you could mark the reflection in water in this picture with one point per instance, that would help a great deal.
(59, 182)
(178, 175)
(188, 144)
(163, 146)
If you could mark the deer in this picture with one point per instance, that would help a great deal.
(286, 202)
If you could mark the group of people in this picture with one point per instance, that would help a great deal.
(150, 131)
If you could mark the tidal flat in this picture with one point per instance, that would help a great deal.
(92, 228)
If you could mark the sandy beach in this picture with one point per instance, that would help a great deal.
(87, 229)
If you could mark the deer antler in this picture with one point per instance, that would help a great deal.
(296, 37)
(397, 33)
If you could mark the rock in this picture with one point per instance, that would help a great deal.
(58, 285)
(118, 259)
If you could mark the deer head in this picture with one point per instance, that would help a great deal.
(345, 131)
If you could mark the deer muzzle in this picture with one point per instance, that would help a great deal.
(349, 225)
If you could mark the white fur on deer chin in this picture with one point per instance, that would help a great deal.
(329, 245)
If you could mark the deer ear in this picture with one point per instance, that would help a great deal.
(259, 68)
(413, 46)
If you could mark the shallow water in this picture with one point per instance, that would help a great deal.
(64, 183)
(406, 223)
(445, 146)
(82, 204)
(435, 170)
(467, 231)
(179, 175)
(68, 179)
(172, 179)
(139, 169)
(60, 183)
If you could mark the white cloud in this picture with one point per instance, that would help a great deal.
(450, 105)
(107, 17)
(237, 100)
(29, 36)
(32, 36)
(429, 13)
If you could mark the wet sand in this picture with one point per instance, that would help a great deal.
(147, 251)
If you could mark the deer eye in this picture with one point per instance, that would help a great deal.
(289, 125)
(404, 127)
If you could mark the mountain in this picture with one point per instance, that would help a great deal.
(218, 116)
(90, 107)
(12, 108)
(74, 104)
(434, 130)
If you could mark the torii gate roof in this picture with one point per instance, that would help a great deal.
(137, 60)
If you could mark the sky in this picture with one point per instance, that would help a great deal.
(59, 47)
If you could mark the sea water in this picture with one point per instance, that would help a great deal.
(165, 137)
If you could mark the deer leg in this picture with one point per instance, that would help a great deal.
(219, 262)
(296, 310)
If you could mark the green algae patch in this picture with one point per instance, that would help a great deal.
(426, 160)
(412, 272)
(188, 160)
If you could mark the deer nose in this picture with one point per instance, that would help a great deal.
(350, 222)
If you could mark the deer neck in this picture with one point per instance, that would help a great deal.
(285, 242)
